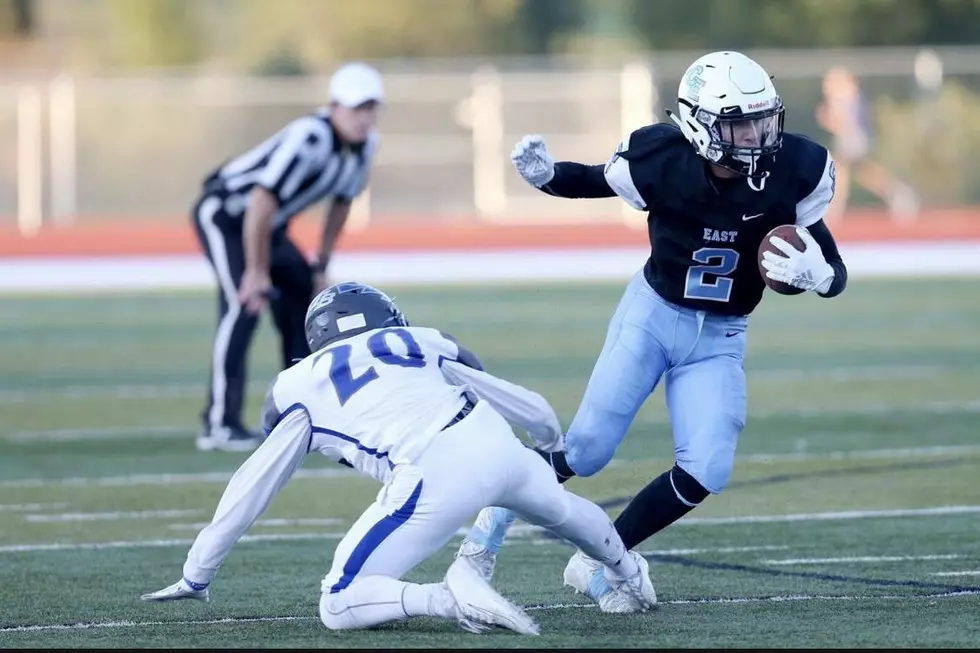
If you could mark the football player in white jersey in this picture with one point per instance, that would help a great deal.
(414, 410)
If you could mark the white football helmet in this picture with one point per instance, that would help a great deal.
(728, 108)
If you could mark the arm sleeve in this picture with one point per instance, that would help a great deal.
(615, 178)
(577, 180)
(825, 239)
(822, 183)
(620, 174)
(515, 403)
(248, 494)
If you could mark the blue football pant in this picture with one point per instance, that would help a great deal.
(700, 357)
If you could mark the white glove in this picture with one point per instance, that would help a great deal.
(532, 160)
(807, 270)
(182, 589)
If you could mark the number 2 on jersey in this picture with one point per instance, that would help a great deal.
(716, 261)
(344, 381)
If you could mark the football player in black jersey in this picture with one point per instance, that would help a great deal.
(714, 183)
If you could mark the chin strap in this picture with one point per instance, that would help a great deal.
(761, 181)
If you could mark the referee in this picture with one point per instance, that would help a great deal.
(241, 219)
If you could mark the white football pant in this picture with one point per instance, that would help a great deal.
(475, 463)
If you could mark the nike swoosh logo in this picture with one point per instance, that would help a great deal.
(731, 334)
(749, 217)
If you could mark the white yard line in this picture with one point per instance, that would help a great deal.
(723, 549)
(181, 390)
(154, 544)
(521, 533)
(109, 516)
(223, 477)
(128, 391)
(275, 523)
(867, 454)
(830, 516)
(159, 479)
(31, 507)
(47, 436)
(897, 453)
(975, 572)
(526, 529)
(96, 433)
(849, 559)
(541, 541)
(736, 600)
(95, 625)
(132, 391)
(817, 411)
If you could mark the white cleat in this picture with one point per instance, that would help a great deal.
(633, 594)
(482, 558)
(480, 604)
(182, 589)
(585, 575)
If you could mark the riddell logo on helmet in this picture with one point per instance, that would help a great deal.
(760, 105)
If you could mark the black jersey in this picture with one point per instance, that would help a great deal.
(705, 231)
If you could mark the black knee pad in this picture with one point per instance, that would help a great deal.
(687, 486)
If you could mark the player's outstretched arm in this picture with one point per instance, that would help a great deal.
(578, 181)
(515, 403)
(563, 179)
(247, 496)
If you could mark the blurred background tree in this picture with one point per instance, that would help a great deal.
(153, 33)
(297, 35)
(935, 142)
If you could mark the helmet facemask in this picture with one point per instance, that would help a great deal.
(742, 143)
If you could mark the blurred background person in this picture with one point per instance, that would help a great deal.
(845, 113)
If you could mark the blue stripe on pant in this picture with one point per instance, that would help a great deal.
(373, 539)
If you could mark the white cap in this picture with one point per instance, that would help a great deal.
(356, 83)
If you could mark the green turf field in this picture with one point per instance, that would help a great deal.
(852, 519)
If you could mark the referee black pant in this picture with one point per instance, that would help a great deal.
(292, 282)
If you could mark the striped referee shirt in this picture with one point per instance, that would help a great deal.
(301, 164)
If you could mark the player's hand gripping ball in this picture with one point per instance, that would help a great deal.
(788, 233)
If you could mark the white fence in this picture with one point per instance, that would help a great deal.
(138, 147)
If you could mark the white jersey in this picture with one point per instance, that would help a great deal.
(374, 400)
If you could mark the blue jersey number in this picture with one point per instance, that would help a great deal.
(715, 261)
(344, 381)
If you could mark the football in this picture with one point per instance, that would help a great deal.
(788, 233)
